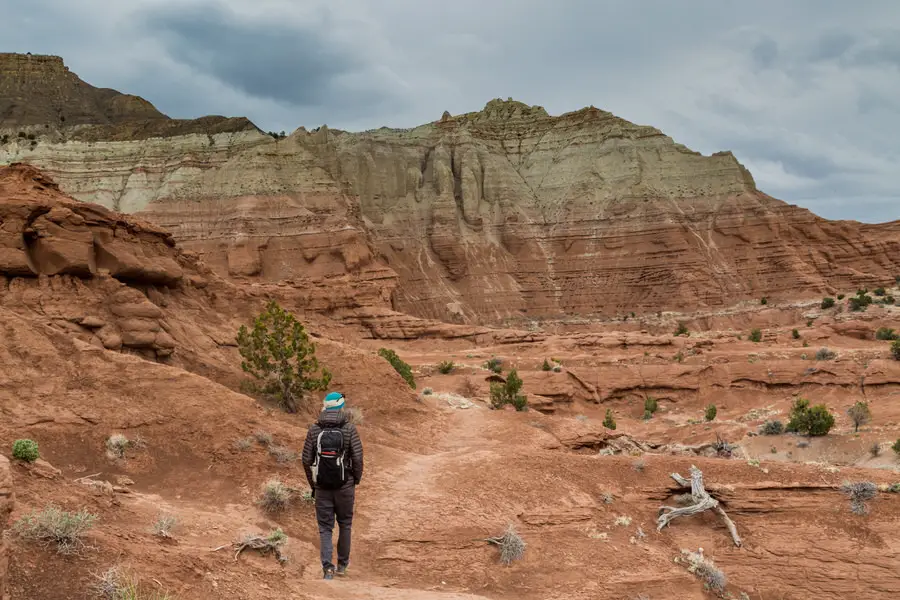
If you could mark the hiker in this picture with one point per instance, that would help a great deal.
(333, 461)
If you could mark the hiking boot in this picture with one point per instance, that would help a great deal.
(341, 570)
(329, 572)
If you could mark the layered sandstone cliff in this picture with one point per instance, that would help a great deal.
(505, 212)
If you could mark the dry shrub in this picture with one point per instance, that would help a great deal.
(511, 545)
(116, 445)
(275, 497)
(56, 526)
(712, 577)
(164, 525)
(468, 388)
(859, 492)
(282, 454)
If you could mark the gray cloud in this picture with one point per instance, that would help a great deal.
(806, 93)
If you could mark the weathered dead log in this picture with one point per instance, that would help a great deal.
(702, 502)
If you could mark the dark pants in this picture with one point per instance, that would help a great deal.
(331, 504)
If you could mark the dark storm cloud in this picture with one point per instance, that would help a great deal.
(806, 93)
(293, 64)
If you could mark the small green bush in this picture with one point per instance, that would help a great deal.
(494, 364)
(810, 420)
(886, 333)
(896, 447)
(860, 302)
(772, 428)
(681, 330)
(401, 367)
(889, 300)
(879, 291)
(755, 335)
(446, 367)
(710, 413)
(546, 366)
(841, 296)
(763, 300)
(508, 393)
(26, 450)
(795, 334)
(609, 422)
(827, 303)
(650, 406)
(895, 349)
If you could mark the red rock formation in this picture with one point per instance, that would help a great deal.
(6, 506)
(503, 213)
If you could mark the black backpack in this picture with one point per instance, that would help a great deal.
(330, 469)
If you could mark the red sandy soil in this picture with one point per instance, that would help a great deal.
(440, 479)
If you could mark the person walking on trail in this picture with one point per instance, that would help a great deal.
(333, 461)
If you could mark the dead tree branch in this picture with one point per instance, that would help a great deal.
(702, 502)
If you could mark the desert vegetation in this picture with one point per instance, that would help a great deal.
(279, 355)
(401, 367)
(508, 393)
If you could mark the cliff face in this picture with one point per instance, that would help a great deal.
(40, 90)
(506, 212)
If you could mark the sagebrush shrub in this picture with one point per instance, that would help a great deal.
(281, 358)
(113, 584)
(401, 367)
(772, 428)
(56, 526)
(795, 334)
(511, 544)
(896, 447)
(26, 450)
(825, 354)
(755, 335)
(827, 303)
(275, 496)
(164, 525)
(712, 577)
(446, 367)
(116, 445)
(681, 329)
(650, 406)
(546, 366)
(282, 454)
(895, 349)
(710, 412)
(879, 291)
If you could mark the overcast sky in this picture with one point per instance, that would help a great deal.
(806, 93)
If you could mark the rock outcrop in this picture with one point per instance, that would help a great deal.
(6, 506)
(477, 218)
(45, 234)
